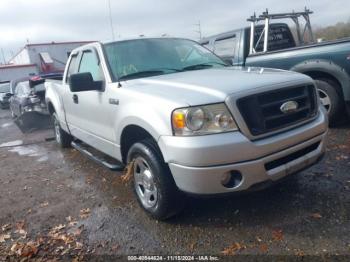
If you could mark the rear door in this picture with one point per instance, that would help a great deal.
(89, 112)
(67, 96)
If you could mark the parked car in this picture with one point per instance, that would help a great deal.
(182, 121)
(4, 94)
(29, 94)
(326, 62)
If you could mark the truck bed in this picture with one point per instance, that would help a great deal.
(337, 51)
(312, 45)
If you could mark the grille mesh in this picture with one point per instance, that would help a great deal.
(262, 112)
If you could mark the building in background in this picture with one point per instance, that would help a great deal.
(34, 59)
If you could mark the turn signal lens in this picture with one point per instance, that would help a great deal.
(179, 120)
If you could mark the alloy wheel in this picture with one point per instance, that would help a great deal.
(145, 185)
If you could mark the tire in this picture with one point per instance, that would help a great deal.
(62, 137)
(348, 110)
(153, 183)
(330, 99)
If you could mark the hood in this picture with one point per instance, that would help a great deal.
(212, 85)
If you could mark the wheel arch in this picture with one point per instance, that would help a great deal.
(131, 134)
(50, 107)
(318, 69)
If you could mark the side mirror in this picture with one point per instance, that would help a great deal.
(84, 82)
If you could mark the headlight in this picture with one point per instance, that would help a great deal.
(202, 120)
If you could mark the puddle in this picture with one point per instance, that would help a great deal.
(32, 150)
(26, 150)
(43, 159)
(6, 125)
(12, 143)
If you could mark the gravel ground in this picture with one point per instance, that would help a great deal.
(56, 204)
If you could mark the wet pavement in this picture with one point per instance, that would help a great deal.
(56, 203)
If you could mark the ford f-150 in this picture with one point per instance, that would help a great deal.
(184, 121)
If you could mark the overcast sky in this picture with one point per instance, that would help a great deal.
(73, 20)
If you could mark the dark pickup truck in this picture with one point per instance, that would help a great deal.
(328, 63)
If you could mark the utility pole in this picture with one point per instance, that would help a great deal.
(110, 19)
(199, 31)
(3, 56)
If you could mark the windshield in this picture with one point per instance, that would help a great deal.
(5, 88)
(149, 57)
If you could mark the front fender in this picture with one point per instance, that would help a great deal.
(328, 67)
(154, 122)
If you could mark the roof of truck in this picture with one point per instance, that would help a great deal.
(142, 37)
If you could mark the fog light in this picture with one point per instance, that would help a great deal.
(225, 178)
(231, 179)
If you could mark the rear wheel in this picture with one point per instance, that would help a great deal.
(330, 99)
(62, 137)
(154, 185)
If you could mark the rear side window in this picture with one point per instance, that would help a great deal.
(71, 68)
(280, 37)
(90, 64)
(225, 46)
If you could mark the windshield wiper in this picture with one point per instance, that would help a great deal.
(146, 73)
(142, 74)
(202, 66)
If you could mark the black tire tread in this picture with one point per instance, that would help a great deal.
(172, 203)
(336, 100)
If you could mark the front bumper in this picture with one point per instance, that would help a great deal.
(198, 164)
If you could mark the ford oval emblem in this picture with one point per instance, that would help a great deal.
(289, 107)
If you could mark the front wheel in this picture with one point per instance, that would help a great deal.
(153, 183)
(62, 137)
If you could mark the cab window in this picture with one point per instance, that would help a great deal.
(71, 67)
(225, 46)
(90, 64)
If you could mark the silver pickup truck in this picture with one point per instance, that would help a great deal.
(184, 121)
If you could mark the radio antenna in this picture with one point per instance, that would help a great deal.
(110, 19)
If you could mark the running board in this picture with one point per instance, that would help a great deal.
(82, 149)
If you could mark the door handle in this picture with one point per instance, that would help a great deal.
(75, 99)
